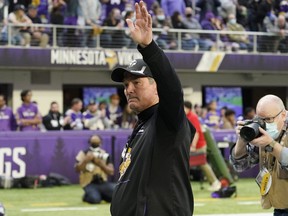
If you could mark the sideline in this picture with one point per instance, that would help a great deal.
(59, 209)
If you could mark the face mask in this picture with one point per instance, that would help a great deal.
(233, 21)
(188, 15)
(95, 145)
(272, 130)
(161, 17)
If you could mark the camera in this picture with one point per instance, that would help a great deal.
(99, 153)
(250, 130)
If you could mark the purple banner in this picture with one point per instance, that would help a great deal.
(36, 153)
(106, 59)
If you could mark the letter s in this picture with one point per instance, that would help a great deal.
(16, 159)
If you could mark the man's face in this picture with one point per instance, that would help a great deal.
(272, 114)
(92, 108)
(55, 108)
(32, 12)
(141, 92)
(77, 107)
(2, 101)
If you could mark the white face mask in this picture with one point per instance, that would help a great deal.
(272, 130)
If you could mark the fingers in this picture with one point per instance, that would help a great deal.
(137, 11)
(130, 24)
(149, 21)
(144, 11)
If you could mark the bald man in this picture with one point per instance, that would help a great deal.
(270, 150)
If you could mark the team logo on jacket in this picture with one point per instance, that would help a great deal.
(126, 156)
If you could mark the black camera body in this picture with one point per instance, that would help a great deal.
(250, 130)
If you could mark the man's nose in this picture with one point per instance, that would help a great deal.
(130, 87)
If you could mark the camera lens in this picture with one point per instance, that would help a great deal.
(249, 132)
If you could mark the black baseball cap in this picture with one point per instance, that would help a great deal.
(137, 67)
(19, 7)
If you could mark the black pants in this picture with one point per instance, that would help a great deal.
(280, 212)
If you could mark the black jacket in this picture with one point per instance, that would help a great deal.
(50, 118)
(156, 181)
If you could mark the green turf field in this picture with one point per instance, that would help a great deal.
(66, 201)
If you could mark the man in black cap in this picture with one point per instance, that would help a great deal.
(154, 173)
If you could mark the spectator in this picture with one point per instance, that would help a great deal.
(115, 38)
(94, 165)
(242, 13)
(229, 122)
(7, 119)
(199, 145)
(57, 9)
(71, 35)
(39, 34)
(43, 10)
(227, 7)
(102, 106)
(280, 29)
(73, 117)
(249, 113)
(28, 117)
(130, 43)
(95, 119)
(54, 119)
(170, 7)
(13, 3)
(3, 6)
(20, 34)
(265, 6)
(164, 39)
(129, 118)
(212, 118)
(241, 39)
(208, 6)
(114, 111)
(197, 110)
(109, 5)
(189, 22)
(91, 11)
(209, 23)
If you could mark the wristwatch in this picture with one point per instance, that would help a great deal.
(270, 146)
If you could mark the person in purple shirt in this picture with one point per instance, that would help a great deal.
(170, 6)
(73, 117)
(28, 117)
(7, 119)
(109, 5)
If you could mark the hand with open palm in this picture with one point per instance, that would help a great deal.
(141, 29)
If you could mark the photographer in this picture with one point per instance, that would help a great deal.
(94, 166)
(269, 147)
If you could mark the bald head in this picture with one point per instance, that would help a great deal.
(269, 105)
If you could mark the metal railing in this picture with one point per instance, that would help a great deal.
(167, 39)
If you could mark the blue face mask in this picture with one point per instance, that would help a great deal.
(233, 21)
(272, 130)
(161, 17)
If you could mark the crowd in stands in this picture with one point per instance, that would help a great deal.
(99, 116)
(232, 15)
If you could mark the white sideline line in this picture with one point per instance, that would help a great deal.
(59, 209)
(249, 203)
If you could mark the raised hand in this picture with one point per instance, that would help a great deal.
(141, 29)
